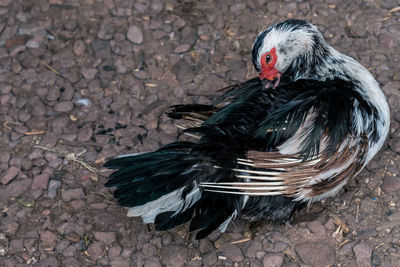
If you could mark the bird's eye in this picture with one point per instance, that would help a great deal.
(268, 58)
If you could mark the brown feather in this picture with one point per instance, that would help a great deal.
(298, 177)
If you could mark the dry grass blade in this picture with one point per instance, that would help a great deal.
(34, 133)
(240, 241)
(49, 67)
(5, 125)
(391, 12)
(74, 158)
(45, 148)
(151, 84)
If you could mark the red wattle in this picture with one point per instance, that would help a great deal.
(268, 70)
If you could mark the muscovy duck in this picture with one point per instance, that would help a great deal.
(296, 134)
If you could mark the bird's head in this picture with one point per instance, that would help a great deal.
(279, 46)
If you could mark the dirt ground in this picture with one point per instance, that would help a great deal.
(84, 80)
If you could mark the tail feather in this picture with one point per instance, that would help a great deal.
(162, 186)
(167, 220)
(172, 202)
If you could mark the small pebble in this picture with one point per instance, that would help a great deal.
(135, 35)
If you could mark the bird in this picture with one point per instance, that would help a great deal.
(266, 147)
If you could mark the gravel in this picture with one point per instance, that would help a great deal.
(97, 77)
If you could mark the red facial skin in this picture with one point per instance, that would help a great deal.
(268, 71)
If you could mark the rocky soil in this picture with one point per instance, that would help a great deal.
(84, 80)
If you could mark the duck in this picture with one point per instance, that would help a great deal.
(265, 148)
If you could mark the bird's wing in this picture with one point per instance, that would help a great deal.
(194, 115)
(274, 173)
(312, 149)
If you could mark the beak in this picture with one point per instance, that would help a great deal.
(267, 83)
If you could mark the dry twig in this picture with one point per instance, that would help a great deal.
(49, 67)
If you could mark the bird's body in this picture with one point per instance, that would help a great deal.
(311, 121)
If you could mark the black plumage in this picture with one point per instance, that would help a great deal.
(257, 151)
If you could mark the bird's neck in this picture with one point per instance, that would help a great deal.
(331, 64)
(326, 63)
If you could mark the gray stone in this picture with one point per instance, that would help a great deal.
(106, 31)
(71, 194)
(174, 255)
(363, 253)
(182, 48)
(30, 245)
(89, 73)
(95, 251)
(52, 188)
(122, 12)
(106, 237)
(15, 246)
(376, 258)
(120, 262)
(5, 157)
(114, 251)
(9, 175)
(386, 40)
(14, 189)
(149, 250)
(36, 154)
(40, 181)
(135, 35)
(316, 227)
(72, 231)
(5, 2)
(126, 252)
(9, 226)
(391, 184)
(70, 261)
(273, 259)
(85, 133)
(324, 257)
(152, 262)
(234, 253)
(254, 247)
(61, 245)
(70, 251)
(210, 258)
(48, 240)
(205, 245)
(49, 261)
(64, 106)
(79, 47)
